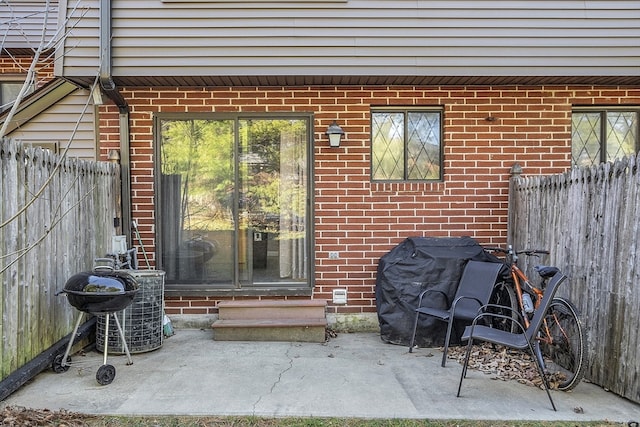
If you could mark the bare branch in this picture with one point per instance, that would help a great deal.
(58, 165)
(43, 46)
(30, 73)
(22, 252)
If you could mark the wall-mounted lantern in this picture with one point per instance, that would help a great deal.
(335, 133)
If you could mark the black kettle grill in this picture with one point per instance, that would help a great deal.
(101, 292)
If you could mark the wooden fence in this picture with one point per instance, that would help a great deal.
(56, 215)
(589, 219)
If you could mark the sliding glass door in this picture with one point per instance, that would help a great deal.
(233, 204)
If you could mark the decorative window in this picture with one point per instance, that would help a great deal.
(603, 135)
(406, 145)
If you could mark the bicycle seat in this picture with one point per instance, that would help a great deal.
(546, 271)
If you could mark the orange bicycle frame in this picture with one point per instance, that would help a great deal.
(517, 275)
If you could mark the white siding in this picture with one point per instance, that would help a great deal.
(22, 23)
(57, 125)
(81, 53)
(152, 38)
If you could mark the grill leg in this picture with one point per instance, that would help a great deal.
(63, 363)
(124, 342)
(106, 341)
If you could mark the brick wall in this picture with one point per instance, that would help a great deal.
(486, 130)
(19, 66)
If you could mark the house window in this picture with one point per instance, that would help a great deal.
(8, 93)
(603, 135)
(233, 203)
(406, 145)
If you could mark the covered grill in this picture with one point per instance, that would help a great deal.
(101, 292)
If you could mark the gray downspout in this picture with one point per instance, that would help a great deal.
(110, 89)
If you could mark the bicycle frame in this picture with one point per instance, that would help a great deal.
(521, 280)
(518, 276)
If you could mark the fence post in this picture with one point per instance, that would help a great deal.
(512, 201)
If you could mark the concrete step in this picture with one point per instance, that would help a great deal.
(271, 309)
(271, 320)
(295, 330)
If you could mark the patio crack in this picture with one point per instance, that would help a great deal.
(278, 379)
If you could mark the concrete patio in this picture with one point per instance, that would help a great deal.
(352, 375)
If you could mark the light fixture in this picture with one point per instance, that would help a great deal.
(335, 134)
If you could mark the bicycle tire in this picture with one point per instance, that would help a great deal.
(566, 354)
(504, 295)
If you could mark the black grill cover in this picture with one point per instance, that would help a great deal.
(420, 263)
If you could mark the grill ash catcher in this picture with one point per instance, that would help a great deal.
(101, 292)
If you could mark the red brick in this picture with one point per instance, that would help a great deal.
(361, 219)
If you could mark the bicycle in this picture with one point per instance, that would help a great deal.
(561, 344)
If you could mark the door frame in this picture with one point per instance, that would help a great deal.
(286, 289)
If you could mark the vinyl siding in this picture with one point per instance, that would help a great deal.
(22, 23)
(57, 125)
(80, 55)
(155, 38)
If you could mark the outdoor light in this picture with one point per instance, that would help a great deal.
(335, 133)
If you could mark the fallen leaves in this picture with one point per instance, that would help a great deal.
(505, 364)
(24, 417)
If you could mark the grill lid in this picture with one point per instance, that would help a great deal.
(102, 284)
(101, 291)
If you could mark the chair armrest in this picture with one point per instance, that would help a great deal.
(499, 316)
(469, 330)
(455, 301)
(422, 294)
(501, 307)
(461, 297)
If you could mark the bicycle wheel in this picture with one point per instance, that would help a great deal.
(562, 343)
(504, 295)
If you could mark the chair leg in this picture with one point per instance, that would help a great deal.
(464, 365)
(447, 339)
(542, 375)
(413, 336)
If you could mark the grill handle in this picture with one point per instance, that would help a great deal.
(104, 264)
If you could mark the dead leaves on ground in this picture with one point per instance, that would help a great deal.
(504, 364)
(24, 417)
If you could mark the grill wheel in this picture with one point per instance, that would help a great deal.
(105, 374)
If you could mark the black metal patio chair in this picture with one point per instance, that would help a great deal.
(520, 341)
(474, 290)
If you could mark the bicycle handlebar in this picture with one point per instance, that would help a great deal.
(527, 252)
(535, 251)
(496, 249)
